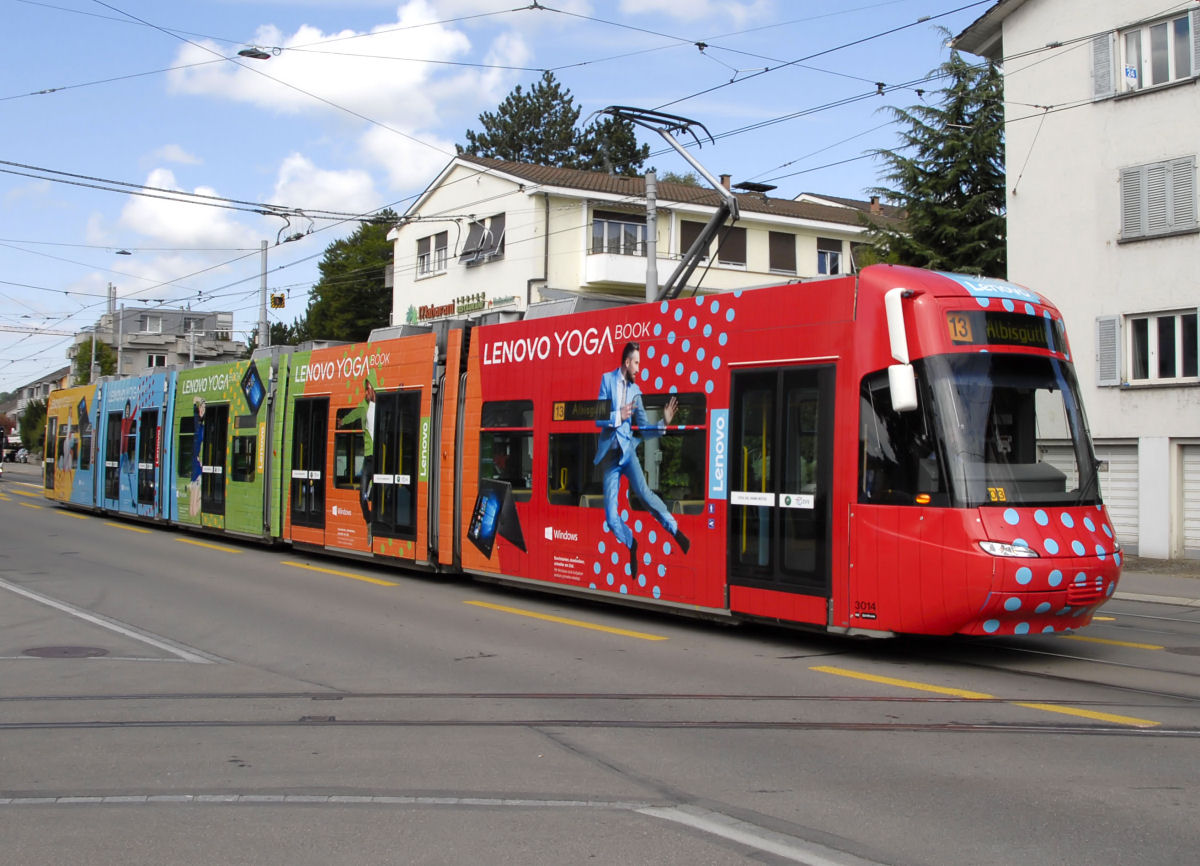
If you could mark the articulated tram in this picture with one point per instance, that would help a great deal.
(897, 451)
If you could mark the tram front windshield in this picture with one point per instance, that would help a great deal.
(1012, 430)
(991, 429)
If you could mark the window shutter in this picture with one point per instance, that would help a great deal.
(1158, 215)
(423, 246)
(1183, 193)
(782, 252)
(1196, 42)
(689, 233)
(1103, 64)
(1132, 188)
(732, 249)
(440, 240)
(496, 241)
(1108, 350)
(471, 247)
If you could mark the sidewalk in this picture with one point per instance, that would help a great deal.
(1175, 581)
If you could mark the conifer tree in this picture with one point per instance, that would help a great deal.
(948, 176)
(538, 126)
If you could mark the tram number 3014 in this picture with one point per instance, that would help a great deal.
(865, 610)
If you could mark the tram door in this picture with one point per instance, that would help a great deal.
(394, 481)
(213, 457)
(780, 485)
(311, 418)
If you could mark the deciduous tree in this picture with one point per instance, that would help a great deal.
(350, 299)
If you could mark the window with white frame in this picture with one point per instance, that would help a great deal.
(1156, 53)
(150, 324)
(1158, 198)
(485, 241)
(431, 254)
(620, 233)
(1150, 54)
(1163, 347)
(829, 256)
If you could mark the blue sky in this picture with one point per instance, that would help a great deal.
(359, 107)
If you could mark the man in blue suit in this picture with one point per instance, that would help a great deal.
(617, 451)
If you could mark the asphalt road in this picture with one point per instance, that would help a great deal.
(251, 705)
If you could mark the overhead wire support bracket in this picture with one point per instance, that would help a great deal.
(667, 125)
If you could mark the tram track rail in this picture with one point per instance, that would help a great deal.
(318, 715)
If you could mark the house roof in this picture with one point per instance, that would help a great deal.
(890, 211)
(635, 188)
(983, 35)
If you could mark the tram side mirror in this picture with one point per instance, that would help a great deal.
(903, 384)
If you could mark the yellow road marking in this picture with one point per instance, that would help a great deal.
(209, 545)
(29, 505)
(1091, 714)
(1104, 619)
(126, 527)
(963, 693)
(1106, 642)
(362, 577)
(564, 621)
(66, 513)
(4, 498)
(28, 493)
(904, 684)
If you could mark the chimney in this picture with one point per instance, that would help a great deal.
(875, 208)
(725, 180)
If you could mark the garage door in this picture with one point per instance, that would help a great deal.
(1191, 501)
(1118, 483)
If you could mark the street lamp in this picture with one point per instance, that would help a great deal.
(254, 53)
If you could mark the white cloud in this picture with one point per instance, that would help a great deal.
(183, 224)
(372, 75)
(301, 184)
(410, 166)
(175, 153)
(697, 10)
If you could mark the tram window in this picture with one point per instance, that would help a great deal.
(85, 442)
(507, 413)
(898, 458)
(183, 465)
(347, 452)
(245, 450)
(61, 448)
(674, 465)
(147, 457)
(506, 445)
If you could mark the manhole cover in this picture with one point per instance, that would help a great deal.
(65, 652)
(1185, 650)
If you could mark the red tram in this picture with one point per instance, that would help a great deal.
(897, 451)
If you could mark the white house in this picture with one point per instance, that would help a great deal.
(1102, 114)
(490, 235)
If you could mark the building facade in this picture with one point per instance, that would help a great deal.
(164, 337)
(1102, 114)
(495, 236)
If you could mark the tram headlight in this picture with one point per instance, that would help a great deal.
(1000, 548)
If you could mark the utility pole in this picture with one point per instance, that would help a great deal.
(120, 339)
(651, 236)
(264, 331)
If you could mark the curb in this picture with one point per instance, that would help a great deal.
(1158, 599)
